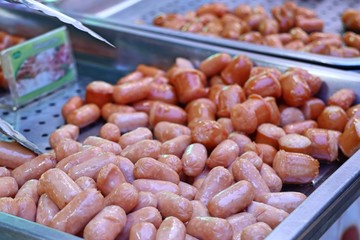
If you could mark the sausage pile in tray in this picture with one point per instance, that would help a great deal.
(290, 27)
(191, 153)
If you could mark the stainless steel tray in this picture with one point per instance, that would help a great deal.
(141, 14)
(336, 188)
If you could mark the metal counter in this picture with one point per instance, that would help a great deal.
(332, 192)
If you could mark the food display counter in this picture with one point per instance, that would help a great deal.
(332, 192)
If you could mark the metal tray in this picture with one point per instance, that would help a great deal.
(141, 14)
(336, 188)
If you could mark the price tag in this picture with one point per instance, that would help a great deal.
(38, 66)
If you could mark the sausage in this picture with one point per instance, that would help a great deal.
(29, 189)
(155, 186)
(240, 139)
(259, 230)
(223, 154)
(171, 204)
(146, 214)
(60, 188)
(207, 132)
(312, 108)
(353, 111)
(164, 131)
(46, 210)
(130, 77)
(143, 231)
(71, 104)
(110, 131)
(269, 134)
(66, 147)
(9, 206)
(342, 98)
(194, 159)
(135, 136)
(351, 39)
(243, 169)
(284, 17)
(129, 121)
(127, 168)
(253, 36)
(237, 71)
(77, 213)
(349, 140)
(107, 224)
(166, 112)
(172, 161)
(85, 182)
(79, 157)
(201, 109)
(217, 9)
(349, 52)
(295, 168)
(91, 167)
(67, 131)
(8, 187)
(34, 168)
(217, 180)
(289, 115)
(242, 11)
(106, 145)
(27, 208)
(273, 40)
(149, 168)
(267, 214)
(4, 172)
(209, 228)
(239, 221)
(295, 90)
(228, 97)
(124, 195)
(171, 229)
(146, 199)
(274, 110)
(12, 154)
(162, 92)
(214, 64)
(111, 108)
(286, 201)
(268, 26)
(227, 124)
(187, 191)
(99, 93)
(214, 93)
(333, 118)
(309, 25)
(295, 143)
(270, 177)
(264, 85)
(84, 115)
(253, 157)
(300, 127)
(350, 19)
(324, 143)
(199, 209)
(176, 146)
(313, 82)
(231, 200)
(108, 178)
(149, 70)
(144, 106)
(299, 34)
(134, 91)
(144, 148)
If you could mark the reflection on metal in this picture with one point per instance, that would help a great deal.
(116, 8)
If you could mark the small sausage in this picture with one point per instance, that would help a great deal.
(8, 187)
(144, 148)
(207, 132)
(266, 152)
(85, 182)
(187, 191)
(127, 168)
(130, 77)
(240, 139)
(27, 208)
(274, 110)
(227, 124)
(66, 147)
(231, 200)
(286, 201)
(176, 146)
(295, 168)
(13, 154)
(349, 52)
(77, 213)
(199, 179)
(124, 195)
(170, 204)
(162, 92)
(295, 45)
(269, 134)
(99, 93)
(171, 229)
(267, 214)
(67, 131)
(333, 118)
(135, 136)
(284, 17)
(172, 161)
(351, 39)
(268, 26)
(111, 108)
(164, 131)
(350, 19)
(149, 168)
(84, 115)
(194, 159)
(146, 199)
(270, 177)
(242, 11)
(349, 140)
(199, 209)
(34, 168)
(46, 210)
(295, 89)
(290, 115)
(324, 143)
(252, 157)
(223, 154)
(155, 186)
(9, 206)
(146, 214)
(201, 109)
(228, 97)
(110, 131)
(264, 85)
(342, 98)
(29, 189)
(4, 172)
(273, 40)
(143, 231)
(149, 70)
(300, 127)
(108, 178)
(59, 187)
(295, 143)
(70, 105)
(237, 71)
(353, 111)
(299, 34)
(106, 145)
(218, 179)
(209, 228)
(309, 25)
(214, 64)
(107, 224)
(166, 112)
(239, 221)
(134, 91)
(259, 230)
(217, 9)
(129, 121)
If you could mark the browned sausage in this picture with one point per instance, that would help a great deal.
(164, 131)
(144, 148)
(223, 154)
(111, 108)
(269, 134)
(149, 70)
(99, 93)
(13, 154)
(300, 127)
(162, 92)
(66, 147)
(70, 105)
(166, 112)
(130, 92)
(228, 97)
(209, 228)
(290, 115)
(129, 121)
(176, 146)
(171, 204)
(309, 24)
(130, 77)
(295, 89)
(171, 229)
(194, 159)
(67, 131)
(202, 108)
(333, 118)
(266, 152)
(237, 71)
(295, 143)
(352, 39)
(46, 210)
(214, 64)
(108, 178)
(342, 98)
(349, 140)
(172, 161)
(265, 85)
(84, 115)
(207, 132)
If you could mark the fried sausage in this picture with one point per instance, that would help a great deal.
(111, 108)
(295, 143)
(29, 189)
(237, 71)
(223, 154)
(164, 131)
(259, 230)
(166, 112)
(85, 182)
(99, 93)
(333, 118)
(267, 214)
(172, 161)
(133, 91)
(214, 64)
(207, 132)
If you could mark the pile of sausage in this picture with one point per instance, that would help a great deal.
(291, 27)
(185, 154)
